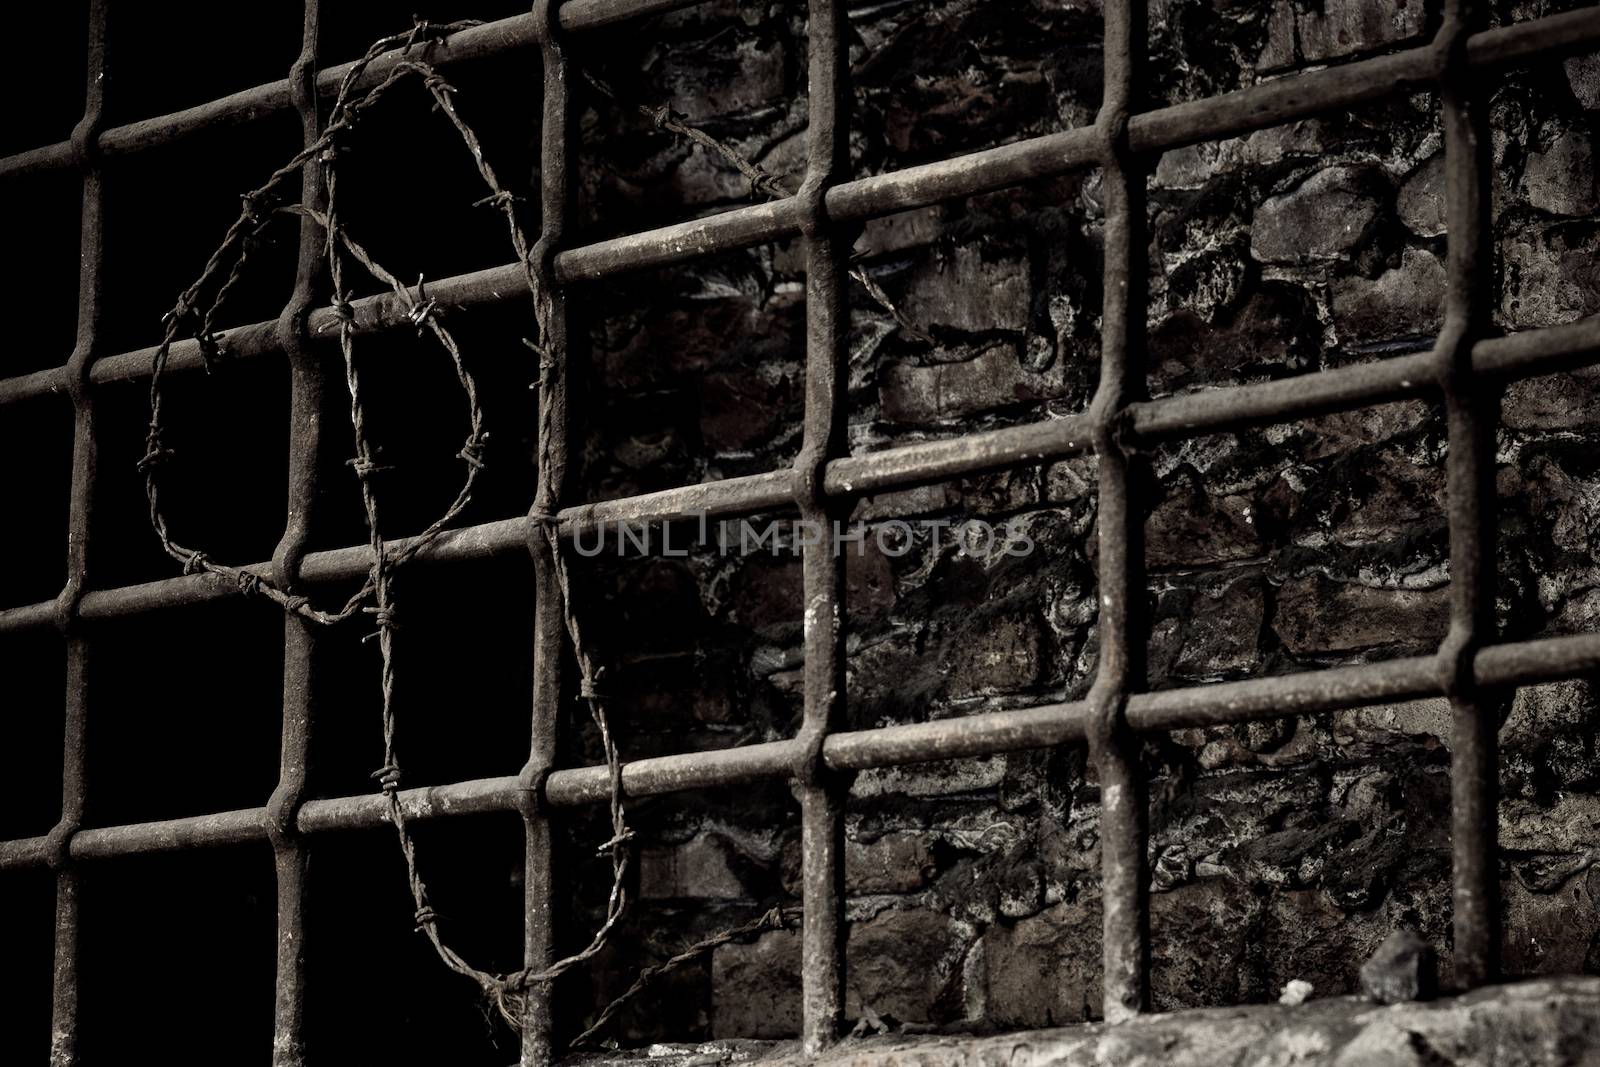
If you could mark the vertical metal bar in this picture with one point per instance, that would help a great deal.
(85, 448)
(556, 195)
(1472, 410)
(822, 794)
(1114, 748)
(307, 409)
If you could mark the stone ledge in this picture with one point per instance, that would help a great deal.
(1542, 1022)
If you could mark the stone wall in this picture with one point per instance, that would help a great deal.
(1280, 850)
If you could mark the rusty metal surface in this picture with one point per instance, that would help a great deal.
(1472, 412)
(1113, 748)
(1306, 693)
(308, 413)
(540, 888)
(85, 447)
(827, 245)
(1291, 98)
(1465, 368)
(262, 101)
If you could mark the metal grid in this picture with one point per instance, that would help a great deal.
(1466, 367)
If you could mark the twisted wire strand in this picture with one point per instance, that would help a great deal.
(235, 243)
(197, 310)
(774, 919)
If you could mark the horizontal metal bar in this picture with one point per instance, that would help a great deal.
(50, 382)
(574, 787)
(1546, 659)
(262, 101)
(1365, 81)
(463, 798)
(1189, 123)
(172, 835)
(40, 616)
(974, 453)
(1520, 355)
(1231, 114)
(1525, 354)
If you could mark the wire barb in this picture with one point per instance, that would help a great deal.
(388, 778)
(195, 312)
(366, 468)
(249, 583)
(472, 452)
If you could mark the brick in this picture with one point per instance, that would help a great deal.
(1406, 301)
(1314, 33)
(1220, 632)
(1420, 202)
(973, 289)
(768, 592)
(699, 868)
(744, 409)
(904, 963)
(1317, 617)
(942, 778)
(1045, 970)
(1552, 275)
(1384, 499)
(1342, 27)
(726, 76)
(1377, 724)
(893, 863)
(993, 653)
(1325, 218)
(755, 988)
(995, 378)
(1189, 528)
(1274, 326)
(1539, 712)
(1567, 401)
(1202, 940)
(1560, 179)
(1583, 75)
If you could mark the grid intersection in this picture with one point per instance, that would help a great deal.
(1466, 368)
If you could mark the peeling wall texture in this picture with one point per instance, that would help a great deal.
(1279, 850)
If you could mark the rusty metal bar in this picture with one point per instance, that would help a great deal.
(263, 101)
(1472, 412)
(85, 454)
(1461, 367)
(822, 793)
(1342, 86)
(308, 413)
(1231, 114)
(1114, 748)
(1516, 663)
(1500, 359)
(557, 188)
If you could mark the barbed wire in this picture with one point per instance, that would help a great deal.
(773, 919)
(196, 311)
